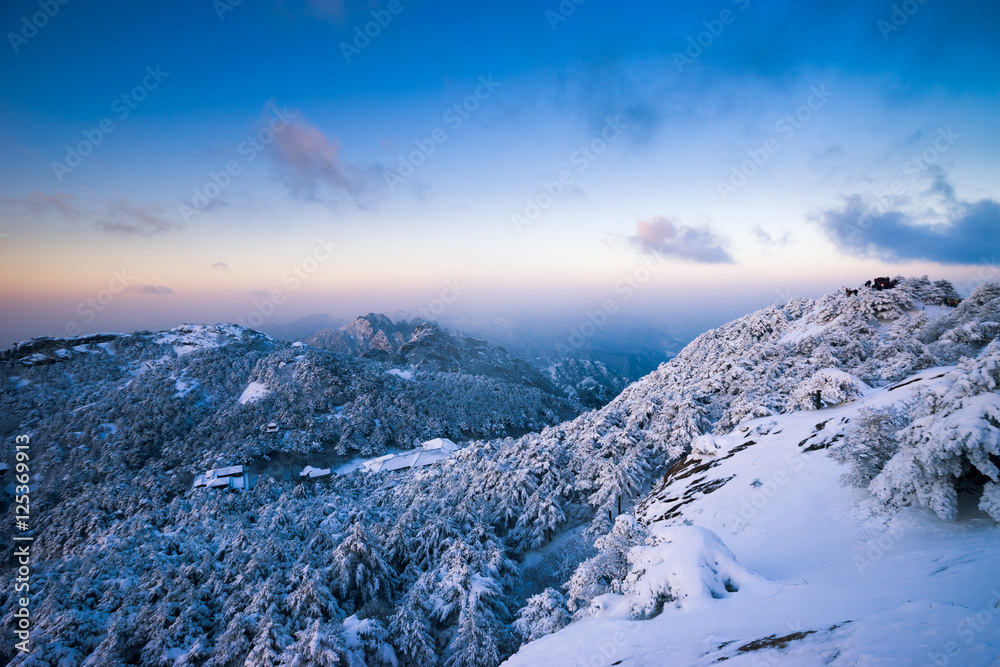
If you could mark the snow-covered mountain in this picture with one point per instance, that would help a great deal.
(425, 346)
(508, 539)
(302, 328)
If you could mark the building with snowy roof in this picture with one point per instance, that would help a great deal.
(310, 472)
(430, 452)
(232, 477)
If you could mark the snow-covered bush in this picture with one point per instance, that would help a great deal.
(873, 441)
(688, 565)
(544, 614)
(367, 641)
(955, 436)
(604, 572)
(705, 446)
(834, 387)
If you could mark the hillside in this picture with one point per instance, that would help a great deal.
(753, 551)
(431, 566)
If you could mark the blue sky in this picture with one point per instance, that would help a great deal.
(763, 149)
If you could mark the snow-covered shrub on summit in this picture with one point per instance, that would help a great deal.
(953, 443)
(687, 565)
(949, 339)
(834, 387)
(544, 614)
(873, 441)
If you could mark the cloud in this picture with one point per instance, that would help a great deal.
(311, 167)
(970, 234)
(39, 203)
(222, 266)
(128, 218)
(122, 216)
(765, 237)
(675, 239)
(149, 289)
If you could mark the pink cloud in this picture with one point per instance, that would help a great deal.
(675, 239)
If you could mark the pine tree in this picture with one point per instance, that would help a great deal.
(360, 574)
(474, 644)
(317, 645)
(873, 441)
(955, 434)
(544, 614)
(410, 630)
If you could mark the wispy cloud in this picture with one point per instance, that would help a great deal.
(766, 238)
(675, 239)
(222, 266)
(311, 166)
(131, 219)
(39, 203)
(149, 289)
(122, 216)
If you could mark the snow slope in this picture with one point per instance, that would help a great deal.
(254, 392)
(823, 575)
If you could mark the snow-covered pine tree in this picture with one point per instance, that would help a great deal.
(953, 440)
(604, 572)
(358, 570)
(316, 645)
(873, 441)
(475, 643)
(544, 614)
(410, 630)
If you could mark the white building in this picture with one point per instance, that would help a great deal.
(233, 477)
(312, 473)
(430, 452)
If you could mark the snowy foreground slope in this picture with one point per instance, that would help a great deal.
(759, 554)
